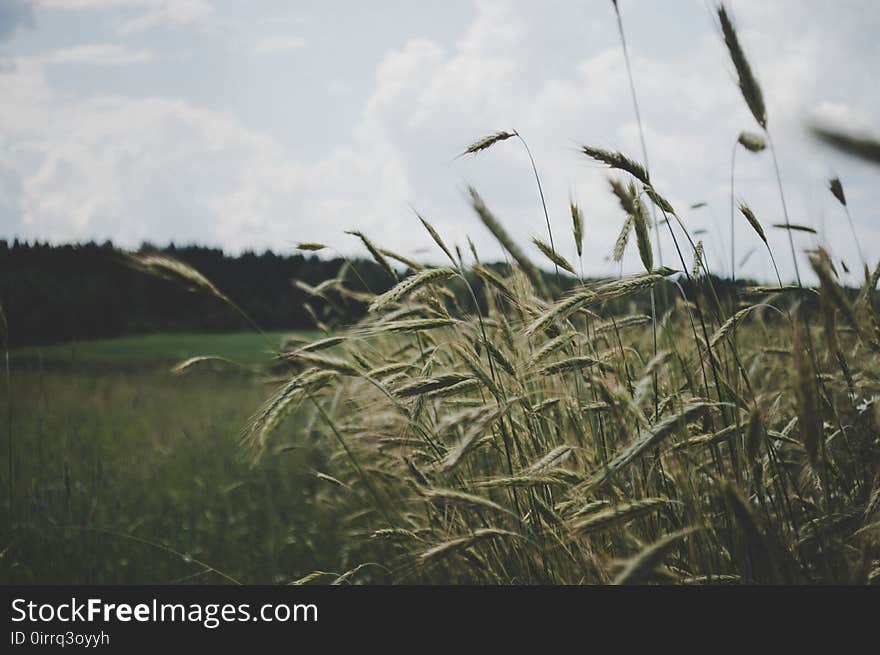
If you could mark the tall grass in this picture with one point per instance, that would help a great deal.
(515, 440)
(520, 445)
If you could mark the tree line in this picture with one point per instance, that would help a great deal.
(58, 293)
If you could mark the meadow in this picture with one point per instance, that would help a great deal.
(154, 350)
(125, 473)
(512, 424)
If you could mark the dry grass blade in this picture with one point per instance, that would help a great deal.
(463, 387)
(751, 141)
(821, 263)
(698, 259)
(643, 241)
(600, 293)
(553, 256)
(490, 276)
(626, 195)
(378, 257)
(754, 433)
(317, 291)
(560, 311)
(477, 369)
(753, 221)
(173, 269)
(659, 200)
(487, 142)
(436, 237)
(867, 291)
(638, 218)
(621, 323)
(553, 458)
(622, 513)
(551, 347)
(577, 226)
(619, 161)
(330, 479)
(410, 325)
(261, 425)
(749, 86)
(426, 385)
(322, 344)
(407, 286)
(310, 246)
(647, 441)
(481, 424)
(707, 439)
(571, 364)
(394, 534)
(836, 188)
(796, 228)
(311, 577)
(324, 362)
(406, 261)
(504, 239)
(473, 250)
(622, 239)
(187, 364)
(650, 557)
(499, 357)
(590, 508)
(863, 147)
(777, 289)
(545, 405)
(460, 497)
(730, 325)
(521, 481)
(453, 546)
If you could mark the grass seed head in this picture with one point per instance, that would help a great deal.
(751, 141)
(748, 85)
(487, 142)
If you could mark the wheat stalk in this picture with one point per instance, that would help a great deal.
(409, 285)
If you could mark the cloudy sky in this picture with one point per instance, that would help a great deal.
(259, 124)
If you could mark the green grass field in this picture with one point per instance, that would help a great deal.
(125, 473)
(161, 349)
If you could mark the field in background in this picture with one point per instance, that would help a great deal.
(159, 349)
(125, 473)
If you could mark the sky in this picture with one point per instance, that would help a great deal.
(253, 125)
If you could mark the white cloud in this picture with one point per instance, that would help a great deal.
(98, 54)
(277, 44)
(158, 169)
(144, 14)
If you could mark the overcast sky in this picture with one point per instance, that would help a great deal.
(263, 123)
